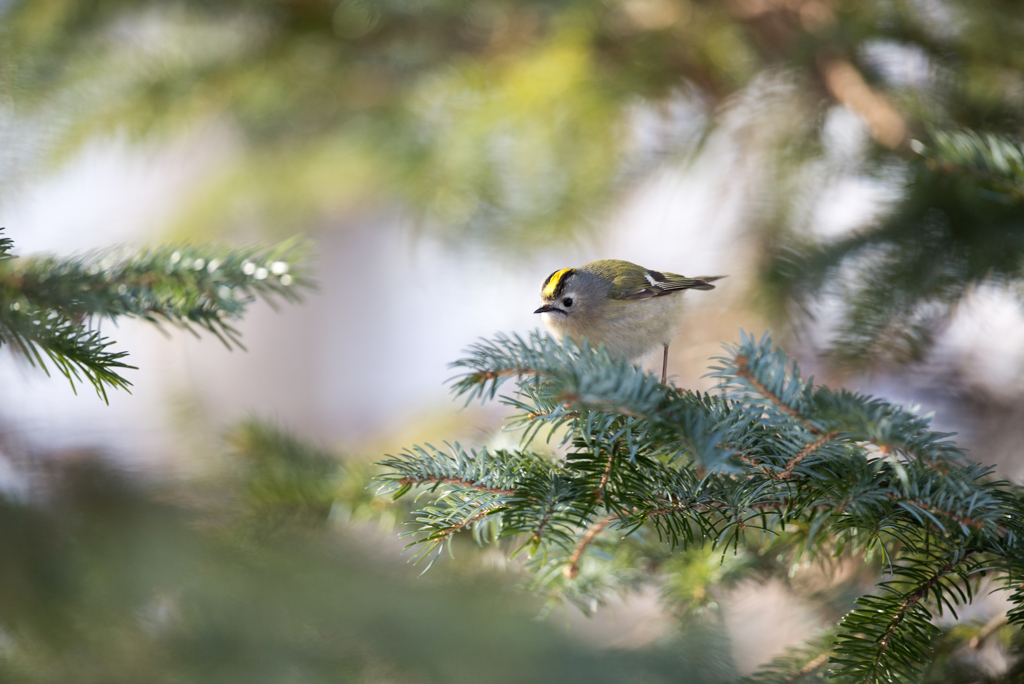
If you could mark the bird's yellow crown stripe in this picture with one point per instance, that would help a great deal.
(552, 285)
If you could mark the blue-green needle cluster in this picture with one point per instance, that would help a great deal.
(770, 456)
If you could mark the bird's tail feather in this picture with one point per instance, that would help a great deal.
(706, 282)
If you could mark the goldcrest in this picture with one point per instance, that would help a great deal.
(629, 309)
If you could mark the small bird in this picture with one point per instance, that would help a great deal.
(628, 308)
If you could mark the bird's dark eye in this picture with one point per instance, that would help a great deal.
(567, 301)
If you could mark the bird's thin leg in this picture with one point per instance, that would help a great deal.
(664, 366)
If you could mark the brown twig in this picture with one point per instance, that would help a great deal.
(673, 508)
(543, 524)
(604, 476)
(743, 370)
(572, 570)
(808, 449)
(483, 376)
(537, 416)
(456, 481)
(765, 470)
(448, 531)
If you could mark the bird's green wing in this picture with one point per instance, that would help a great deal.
(657, 284)
(629, 281)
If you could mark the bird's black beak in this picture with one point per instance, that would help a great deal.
(546, 307)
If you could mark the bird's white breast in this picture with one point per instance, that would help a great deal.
(630, 329)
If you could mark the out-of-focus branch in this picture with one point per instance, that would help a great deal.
(846, 84)
(990, 628)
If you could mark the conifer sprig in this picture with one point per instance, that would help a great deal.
(77, 352)
(887, 637)
(51, 307)
(771, 455)
(995, 159)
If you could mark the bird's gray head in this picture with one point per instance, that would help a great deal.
(571, 294)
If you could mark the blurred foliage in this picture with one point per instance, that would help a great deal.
(109, 581)
(286, 483)
(898, 281)
(522, 123)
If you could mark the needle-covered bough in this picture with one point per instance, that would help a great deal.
(51, 308)
(768, 455)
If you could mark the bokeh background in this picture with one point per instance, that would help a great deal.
(444, 157)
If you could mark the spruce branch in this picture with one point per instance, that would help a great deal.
(772, 456)
(77, 352)
(185, 285)
(493, 472)
(895, 647)
(50, 307)
(576, 370)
